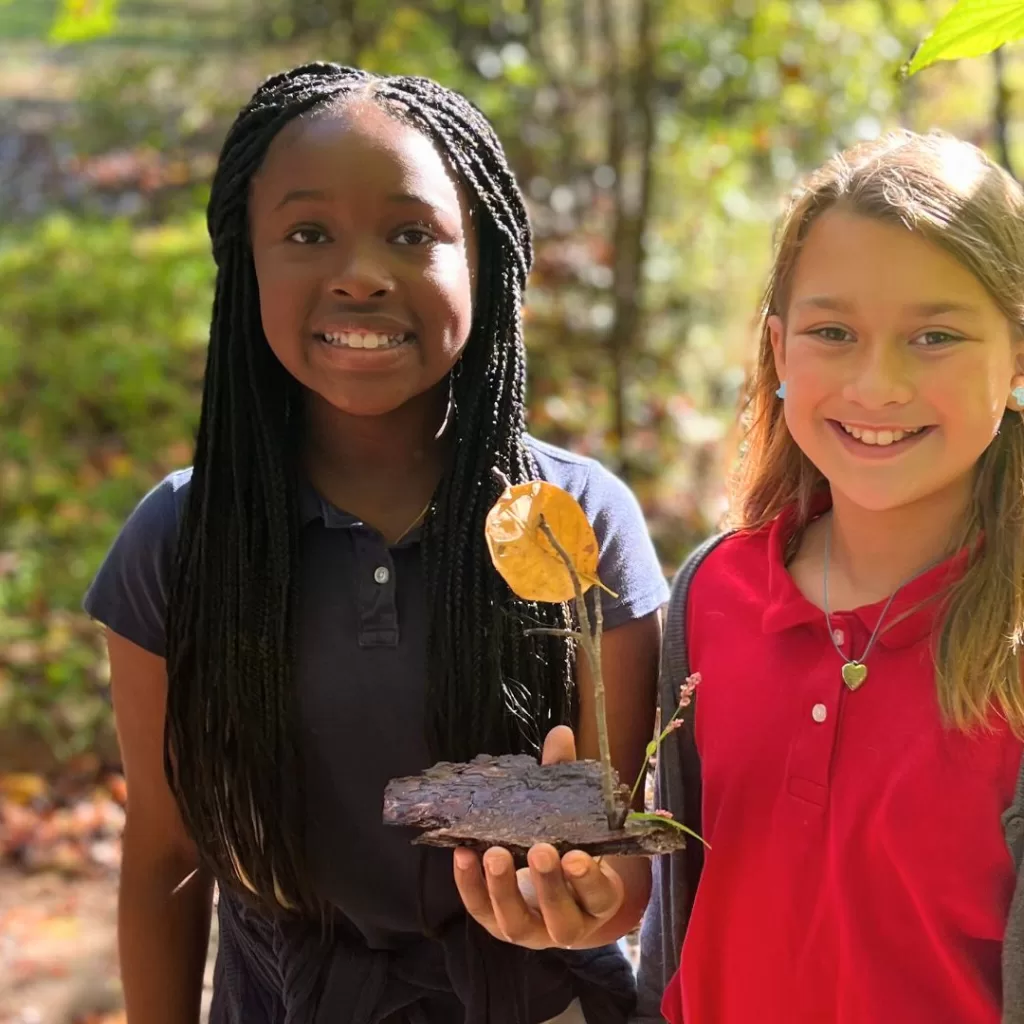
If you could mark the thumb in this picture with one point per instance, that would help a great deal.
(559, 746)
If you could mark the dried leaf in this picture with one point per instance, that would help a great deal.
(524, 556)
(22, 787)
(61, 927)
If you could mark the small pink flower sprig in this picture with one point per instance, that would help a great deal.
(686, 692)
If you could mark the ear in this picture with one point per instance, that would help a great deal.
(777, 334)
(1013, 401)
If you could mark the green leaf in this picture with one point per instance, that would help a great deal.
(647, 816)
(970, 29)
(79, 21)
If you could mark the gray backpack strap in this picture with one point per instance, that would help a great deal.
(675, 665)
(676, 789)
(1013, 940)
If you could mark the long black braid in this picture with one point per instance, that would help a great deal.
(232, 753)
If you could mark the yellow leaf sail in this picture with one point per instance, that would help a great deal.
(523, 554)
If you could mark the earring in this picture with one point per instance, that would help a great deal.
(781, 390)
(452, 409)
(1018, 396)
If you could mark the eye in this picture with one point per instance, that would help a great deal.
(307, 236)
(414, 236)
(933, 339)
(831, 333)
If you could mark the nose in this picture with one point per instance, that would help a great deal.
(882, 378)
(360, 275)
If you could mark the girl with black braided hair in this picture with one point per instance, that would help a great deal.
(310, 611)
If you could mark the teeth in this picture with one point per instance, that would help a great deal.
(359, 339)
(880, 437)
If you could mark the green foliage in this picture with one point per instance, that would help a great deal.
(101, 344)
(102, 347)
(972, 28)
(176, 108)
(665, 822)
(81, 20)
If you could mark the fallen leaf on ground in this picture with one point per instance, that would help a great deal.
(73, 826)
(22, 788)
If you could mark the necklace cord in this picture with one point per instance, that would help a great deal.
(885, 610)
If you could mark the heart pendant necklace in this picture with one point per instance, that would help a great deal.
(855, 671)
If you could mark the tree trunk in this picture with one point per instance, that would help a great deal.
(632, 159)
(1001, 110)
(616, 160)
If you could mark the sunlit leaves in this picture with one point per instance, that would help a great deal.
(79, 21)
(102, 347)
(972, 28)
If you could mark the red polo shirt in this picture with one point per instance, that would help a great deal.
(858, 872)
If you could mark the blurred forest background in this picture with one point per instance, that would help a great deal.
(654, 139)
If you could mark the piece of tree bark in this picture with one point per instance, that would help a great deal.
(512, 801)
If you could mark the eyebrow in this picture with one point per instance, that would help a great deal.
(838, 305)
(410, 197)
(298, 194)
(938, 308)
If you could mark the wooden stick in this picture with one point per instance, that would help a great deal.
(569, 634)
(590, 639)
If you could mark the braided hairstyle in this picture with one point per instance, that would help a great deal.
(232, 753)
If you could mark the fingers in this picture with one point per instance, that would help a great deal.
(598, 886)
(563, 918)
(555, 901)
(575, 894)
(559, 746)
(490, 891)
(469, 880)
(515, 920)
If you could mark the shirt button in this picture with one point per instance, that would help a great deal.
(381, 574)
(839, 636)
(819, 713)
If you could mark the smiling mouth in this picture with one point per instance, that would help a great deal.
(365, 339)
(883, 437)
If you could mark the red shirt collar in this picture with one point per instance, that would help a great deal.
(911, 617)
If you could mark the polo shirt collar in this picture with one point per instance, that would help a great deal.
(909, 619)
(313, 506)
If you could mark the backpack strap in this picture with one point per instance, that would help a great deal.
(675, 664)
(677, 789)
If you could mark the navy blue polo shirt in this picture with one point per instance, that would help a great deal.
(361, 672)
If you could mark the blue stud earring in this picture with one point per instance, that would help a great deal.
(781, 391)
(1018, 395)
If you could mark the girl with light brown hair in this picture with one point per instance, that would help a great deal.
(854, 754)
